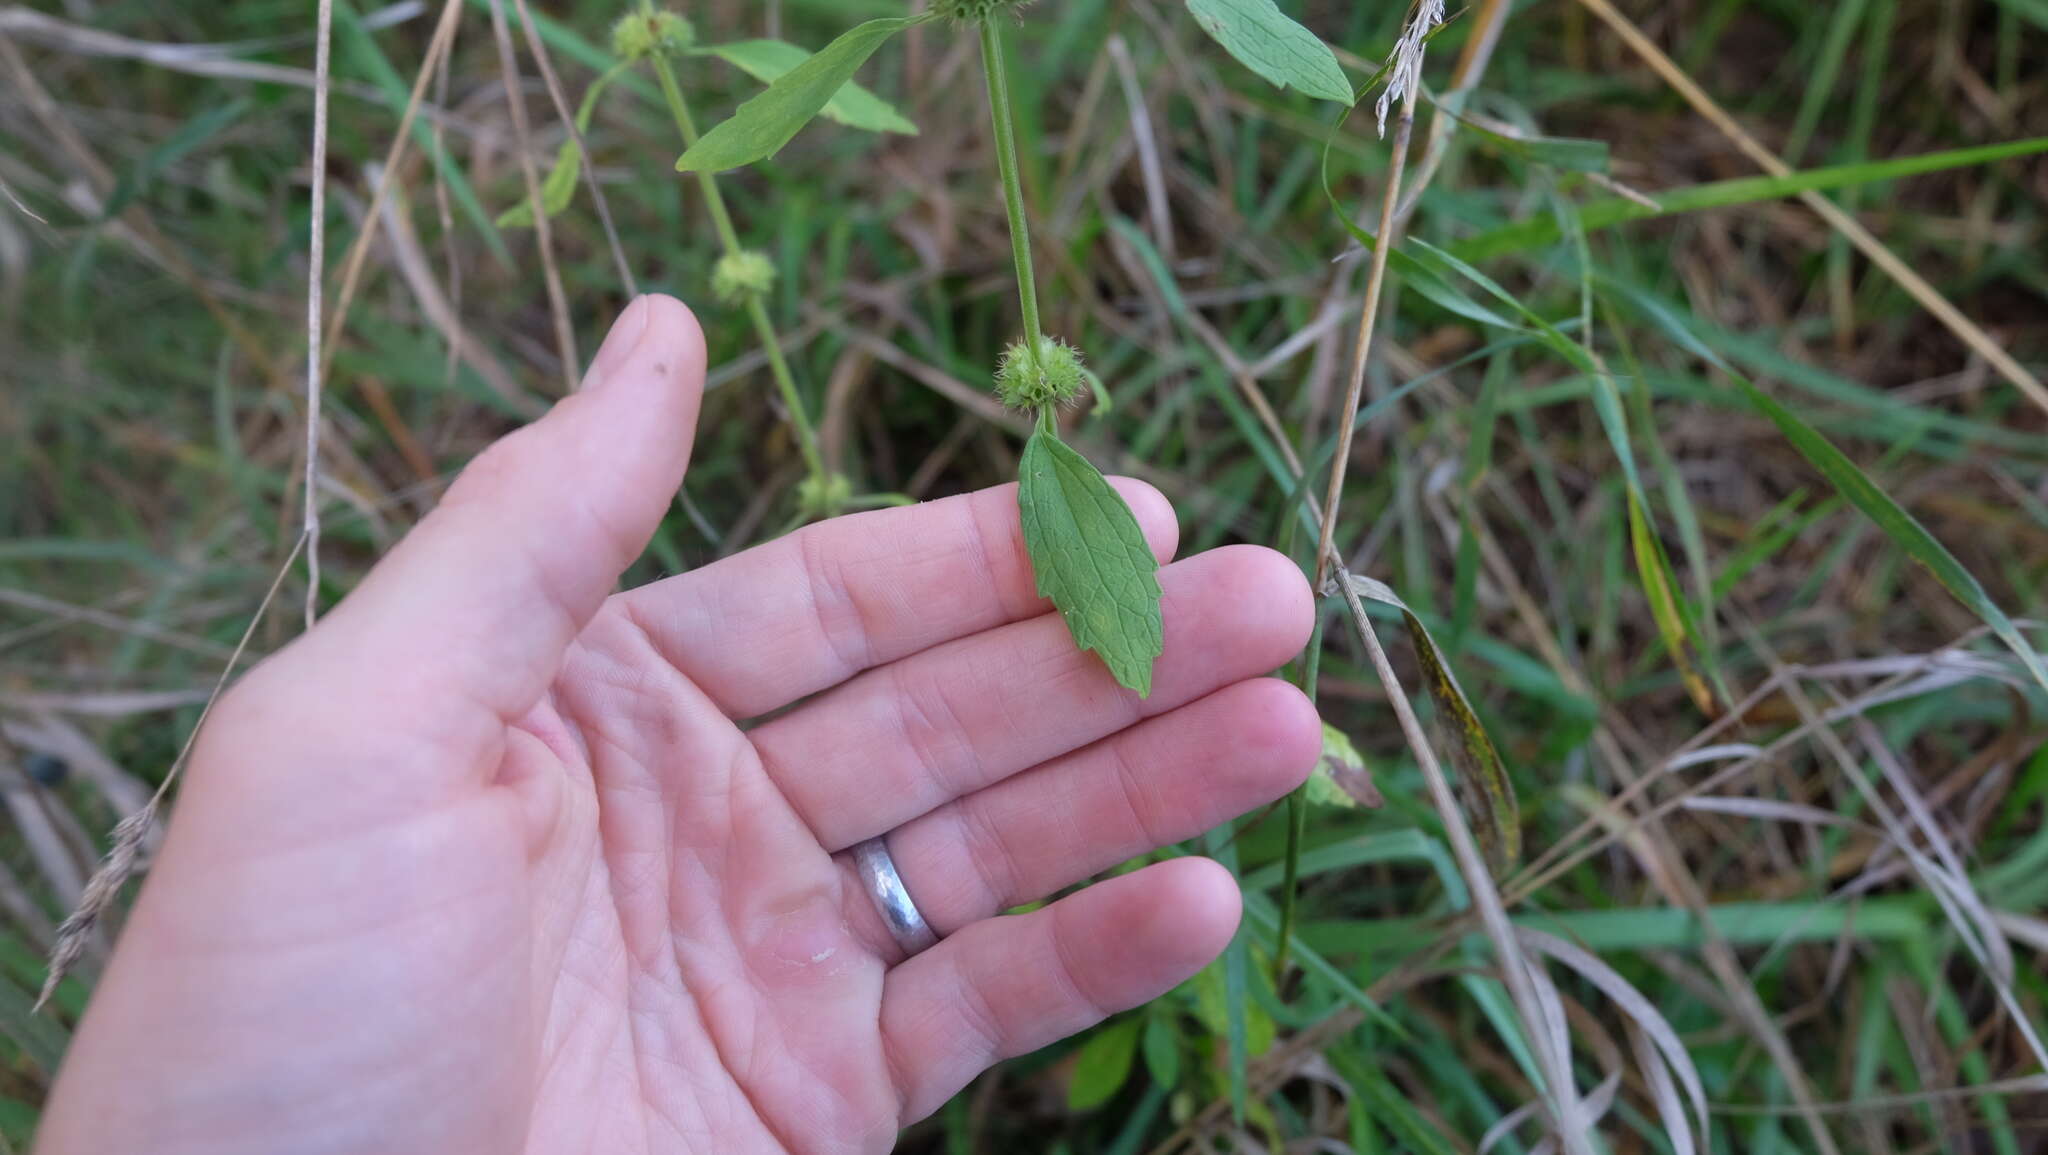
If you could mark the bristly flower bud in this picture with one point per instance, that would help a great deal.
(825, 496)
(739, 276)
(639, 33)
(972, 12)
(1054, 377)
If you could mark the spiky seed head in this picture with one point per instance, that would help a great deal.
(823, 496)
(1054, 377)
(968, 12)
(639, 33)
(739, 276)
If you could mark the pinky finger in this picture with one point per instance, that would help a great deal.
(1007, 986)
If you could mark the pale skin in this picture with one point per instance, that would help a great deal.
(486, 861)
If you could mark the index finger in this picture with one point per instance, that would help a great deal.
(765, 627)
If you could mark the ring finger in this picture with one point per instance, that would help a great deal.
(1166, 779)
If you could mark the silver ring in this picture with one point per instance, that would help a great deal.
(878, 873)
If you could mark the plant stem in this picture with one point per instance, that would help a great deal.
(1567, 1114)
(1013, 186)
(757, 311)
(1383, 243)
(1297, 816)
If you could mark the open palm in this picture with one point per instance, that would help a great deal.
(488, 862)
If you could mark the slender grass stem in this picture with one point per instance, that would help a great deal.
(757, 311)
(1013, 185)
(1558, 1096)
(1362, 350)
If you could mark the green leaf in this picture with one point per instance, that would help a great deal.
(1341, 777)
(1482, 779)
(2032, 10)
(764, 124)
(1265, 40)
(1668, 606)
(1214, 1007)
(1162, 1050)
(555, 192)
(40, 1037)
(1090, 558)
(1103, 1064)
(560, 186)
(853, 106)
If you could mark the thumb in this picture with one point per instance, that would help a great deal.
(485, 594)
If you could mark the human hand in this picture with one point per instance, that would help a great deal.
(486, 862)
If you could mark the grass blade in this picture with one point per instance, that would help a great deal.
(1902, 527)
(1540, 231)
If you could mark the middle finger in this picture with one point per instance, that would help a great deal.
(902, 739)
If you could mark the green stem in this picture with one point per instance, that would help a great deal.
(757, 311)
(1297, 818)
(1013, 186)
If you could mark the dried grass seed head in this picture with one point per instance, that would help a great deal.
(1406, 74)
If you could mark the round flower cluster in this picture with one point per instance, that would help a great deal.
(823, 496)
(738, 276)
(1054, 377)
(638, 33)
(975, 11)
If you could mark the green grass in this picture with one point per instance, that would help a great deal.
(1575, 395)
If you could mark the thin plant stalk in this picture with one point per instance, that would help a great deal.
(125, 850)
(515, 99)
(1013, 185)
(757, 311)
(539, 50)
(1297, 802)
(1560, 1100)
(1297, 815)
(352, 269)
(1362, 349)
(316, 272)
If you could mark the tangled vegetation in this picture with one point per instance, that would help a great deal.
(1652, 391)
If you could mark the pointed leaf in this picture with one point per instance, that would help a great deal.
(1265, 40)
(555, 192)
(560, 186)
(1482, 780)
(1668, 606)
(1162, 1050)
(764, 124)
(1341, 777)
(1104, 1064)
(853, 106)
(1090, 558)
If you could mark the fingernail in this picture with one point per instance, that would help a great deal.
(619, 343)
